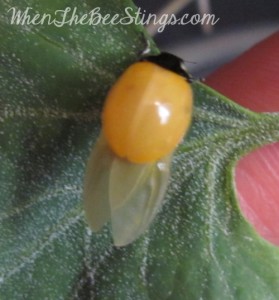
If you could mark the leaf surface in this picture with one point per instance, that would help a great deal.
(53, 83)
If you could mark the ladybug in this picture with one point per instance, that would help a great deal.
(145, 116)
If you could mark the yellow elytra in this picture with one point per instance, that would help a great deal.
(147, 112)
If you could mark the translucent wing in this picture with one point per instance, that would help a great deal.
(96, 185)
(128, 194)
(135, 192)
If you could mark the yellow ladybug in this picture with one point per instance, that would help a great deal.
(146, 114)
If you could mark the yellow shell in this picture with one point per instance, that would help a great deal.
(147, 112)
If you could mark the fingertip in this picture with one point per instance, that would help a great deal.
(252, 80)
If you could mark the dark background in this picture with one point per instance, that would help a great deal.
(242, 24)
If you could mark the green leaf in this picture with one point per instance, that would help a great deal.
(53, 83)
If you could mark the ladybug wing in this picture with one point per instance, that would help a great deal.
(96, 185)
(136, 192)
(126, 193)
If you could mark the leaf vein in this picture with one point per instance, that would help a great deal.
(9, 112)
(47, 195)
(35, 254)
